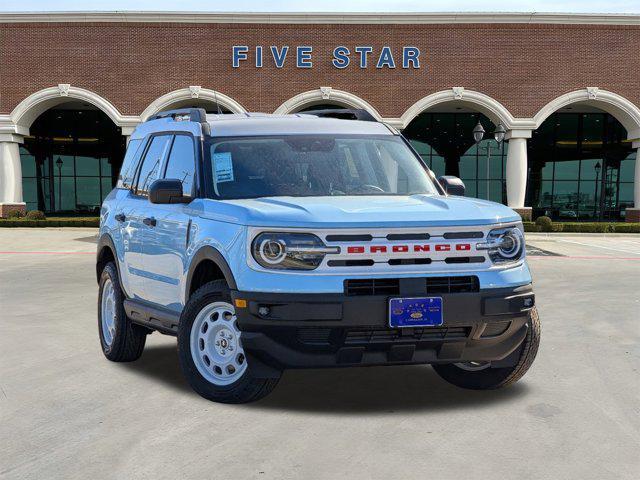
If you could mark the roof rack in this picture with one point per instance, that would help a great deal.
(195, 114)
(343, 114)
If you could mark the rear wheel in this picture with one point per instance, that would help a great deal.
(482, 376)
(210, 349)
(121, 340)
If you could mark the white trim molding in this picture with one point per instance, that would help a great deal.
(622, 109)
(194, 92)
(326, 95)
(26, 112)
(492, 108)
(415, 18)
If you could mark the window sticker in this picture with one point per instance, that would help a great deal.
(223, 167)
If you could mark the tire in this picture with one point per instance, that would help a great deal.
(121, 340)
(485, 377)
(210, 349)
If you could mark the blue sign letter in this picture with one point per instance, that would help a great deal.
(279, 57)
(239, 53)
(341, 57)
(411, 55)
(386, 58)
(259, 56)
(364, 53)
(303, 59)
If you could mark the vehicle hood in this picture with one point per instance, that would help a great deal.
(359, 211)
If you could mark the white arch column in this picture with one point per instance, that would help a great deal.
(517, 165)
(10, 174)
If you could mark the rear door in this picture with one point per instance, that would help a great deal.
(167, 242)
(134, 211)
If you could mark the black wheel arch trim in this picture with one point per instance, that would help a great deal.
(105, 241)
(210, 253)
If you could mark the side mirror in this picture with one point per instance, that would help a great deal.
(167, 190)
(452, 185)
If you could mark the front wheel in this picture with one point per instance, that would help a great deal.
(482, 376)
(210, 349)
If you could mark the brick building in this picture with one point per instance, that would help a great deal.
(565, 88)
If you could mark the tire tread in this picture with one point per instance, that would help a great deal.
(130, 339)
(248, 388)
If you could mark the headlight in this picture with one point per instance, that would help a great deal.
(289, 251)
(504, 245)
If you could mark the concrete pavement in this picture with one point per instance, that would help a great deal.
(67, 413)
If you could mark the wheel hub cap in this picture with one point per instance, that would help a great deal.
(108, 312)
(216, 348)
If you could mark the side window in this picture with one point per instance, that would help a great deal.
(130, 164)
(181, 163)
(150, 169)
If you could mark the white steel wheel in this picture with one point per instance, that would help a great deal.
(216, 348)
(108, 312)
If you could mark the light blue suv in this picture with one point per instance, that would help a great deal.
(270, 242)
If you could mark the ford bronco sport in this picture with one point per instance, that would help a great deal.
(269, 242)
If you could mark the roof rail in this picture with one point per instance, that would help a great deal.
(195, 114)
(343, 114)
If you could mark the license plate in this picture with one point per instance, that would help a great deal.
(415, 312)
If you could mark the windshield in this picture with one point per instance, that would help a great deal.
(321, 165)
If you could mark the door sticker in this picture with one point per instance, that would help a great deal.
(223, 167)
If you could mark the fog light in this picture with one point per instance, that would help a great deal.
(528, 302)
(264, 311)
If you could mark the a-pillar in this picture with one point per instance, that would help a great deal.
(517, 171)
(10, 175)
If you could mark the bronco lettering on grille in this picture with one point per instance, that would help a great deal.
(439, 247)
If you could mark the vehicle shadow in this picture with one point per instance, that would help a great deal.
(377, 390)
(161, 363)
(349, 391)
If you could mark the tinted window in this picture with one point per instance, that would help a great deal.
(303, 165)
(129, 164)
(150, 169)
(181, 163)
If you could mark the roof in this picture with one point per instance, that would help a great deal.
(253, 124)
(412, 18)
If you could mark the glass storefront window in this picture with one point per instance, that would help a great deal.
(445, 143)
(67, 161)
(578, 163)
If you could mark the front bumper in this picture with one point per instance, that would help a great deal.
(329, 330)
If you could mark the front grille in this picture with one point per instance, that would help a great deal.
(372, 286)
(314, 336)
(453, 284)
(387, 335)
(391, 286)
(375, 336)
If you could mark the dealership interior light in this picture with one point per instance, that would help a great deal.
(499, 133)
(478, 132)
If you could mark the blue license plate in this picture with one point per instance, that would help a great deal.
(415, 312)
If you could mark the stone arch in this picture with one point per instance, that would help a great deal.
(480, 102)
(622, 109)
(29, 109)
(325, 95)
(193, 93)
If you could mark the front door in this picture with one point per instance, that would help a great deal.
(167, 242)
(136, 210)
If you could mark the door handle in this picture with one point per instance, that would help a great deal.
(120, 217)
(149, 221)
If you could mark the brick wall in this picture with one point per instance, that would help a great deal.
(522, 66)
